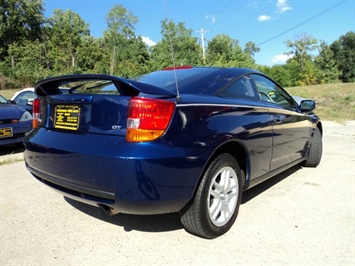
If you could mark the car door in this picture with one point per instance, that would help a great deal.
(290, 126)
(253, 117)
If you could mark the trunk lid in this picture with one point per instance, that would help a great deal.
(122, 86)
(92, 103)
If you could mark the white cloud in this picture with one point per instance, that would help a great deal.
(264, 18)
(281, 58)
(213, 18)
(282, 6)
(148, 41)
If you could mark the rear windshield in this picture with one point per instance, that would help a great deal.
(90, 87)
(94, 86)
(192, 80)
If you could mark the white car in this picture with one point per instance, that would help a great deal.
(23, 91)
(24, 98)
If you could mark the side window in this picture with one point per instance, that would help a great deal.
(24, 97)
(241, 88)
(271, 92)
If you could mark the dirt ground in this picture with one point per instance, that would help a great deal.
(303, 216)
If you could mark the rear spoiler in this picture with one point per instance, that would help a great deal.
(51, 86)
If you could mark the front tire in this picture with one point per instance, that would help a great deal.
(315, 152)
(216, 203)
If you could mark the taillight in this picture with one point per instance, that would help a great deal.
(36, 113)
(148, 118)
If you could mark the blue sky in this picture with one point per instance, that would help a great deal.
(267, 23)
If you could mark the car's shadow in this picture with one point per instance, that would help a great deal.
(167, 222)
(255, 191)
(145, 223)
(11, 149)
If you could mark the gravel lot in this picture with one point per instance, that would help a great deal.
(304, 216)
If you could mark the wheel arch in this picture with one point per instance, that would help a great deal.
(238, 151)
(320, 126)
(196, 214)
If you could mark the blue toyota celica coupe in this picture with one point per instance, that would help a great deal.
(183, 139)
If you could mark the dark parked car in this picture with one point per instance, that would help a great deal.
(187, 140)
(14, 123)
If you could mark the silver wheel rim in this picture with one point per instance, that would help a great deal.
(223, 196)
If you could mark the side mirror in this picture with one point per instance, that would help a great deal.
(12, 101)
(30, 102)
(307, 105)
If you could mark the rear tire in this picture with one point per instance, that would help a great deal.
(315, 152)
(216, 203)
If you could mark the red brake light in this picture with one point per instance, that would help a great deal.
(177, 67)
(148, 118)
(36, 113)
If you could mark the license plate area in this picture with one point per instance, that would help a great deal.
(67, 117)
(6, 132)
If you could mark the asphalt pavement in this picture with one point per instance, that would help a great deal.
(303, 216)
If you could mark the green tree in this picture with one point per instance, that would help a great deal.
(65, 34)
(177, 47)
(220, 49)
(279, 73)
(327, 65)
(120, 31)
(310, 75)
(251, 48)
(344, 55)
(300, 49)
(137, 60)
(19, 21)
(91, 55)
(223, 51)
(30, 64)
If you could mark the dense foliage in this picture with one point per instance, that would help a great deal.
(34, 47)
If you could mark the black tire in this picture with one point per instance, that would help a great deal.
(215, 206)
(315, 152)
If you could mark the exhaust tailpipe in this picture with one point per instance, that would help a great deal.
(108, 210)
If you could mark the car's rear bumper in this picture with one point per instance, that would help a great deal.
(136, 178)
(19, 131)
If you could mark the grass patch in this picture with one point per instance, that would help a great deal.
(334, 102)
(8, 93)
